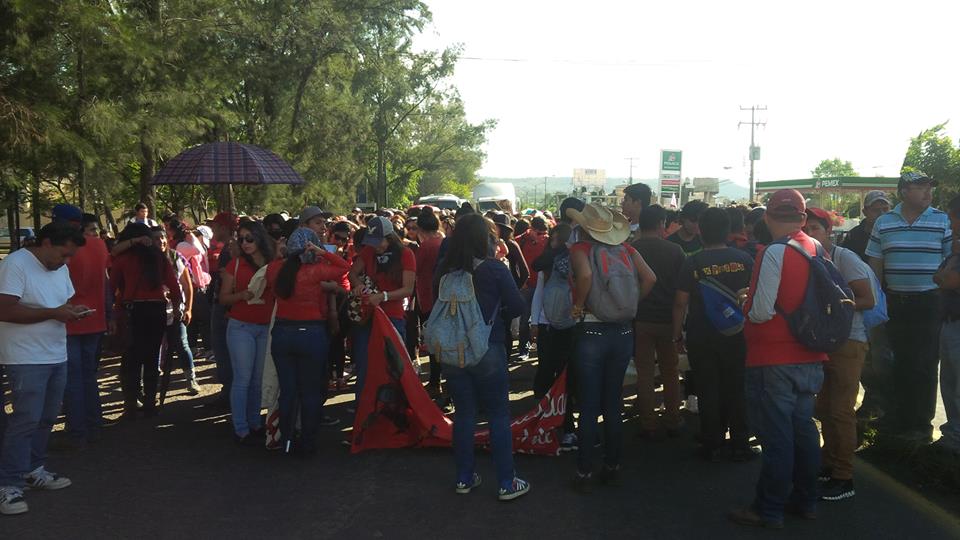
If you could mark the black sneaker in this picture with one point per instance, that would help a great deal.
(583, 483)
(837, 490)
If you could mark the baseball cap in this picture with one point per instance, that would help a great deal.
(67, 212)
(915, 177)
(378, 228)
(874, 196)
(786, 203)
(309, 213)
(821, 215)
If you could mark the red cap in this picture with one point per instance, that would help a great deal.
(226, 219)
(786, 203)
(821, 215)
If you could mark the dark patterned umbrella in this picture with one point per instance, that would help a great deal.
(226, 163)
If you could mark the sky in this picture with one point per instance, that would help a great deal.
(597, 82)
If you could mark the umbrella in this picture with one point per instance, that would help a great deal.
(226, 163)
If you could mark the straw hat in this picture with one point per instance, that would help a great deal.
(604, 226)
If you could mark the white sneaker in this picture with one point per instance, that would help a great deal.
(11, 501)
(44, 479)
(691, 404)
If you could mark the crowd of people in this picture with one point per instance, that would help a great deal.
(588, 288)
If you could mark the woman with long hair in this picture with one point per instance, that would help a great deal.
(301, 343)
(247, 328)
(176, 332)
(392, 269)
(144, 279)
(194, 254)
(485, 385)
(430, 239)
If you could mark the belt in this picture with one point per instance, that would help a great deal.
(290, 322)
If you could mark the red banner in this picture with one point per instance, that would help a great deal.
(395, 411)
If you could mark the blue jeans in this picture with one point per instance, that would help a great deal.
(485, 386)
(603, 352)
(780, 406)
(81, 400)
(221, 353)
(36, 391)
(248, 350)
(361, 348)
(176, 342)
(950, 382)
(301, 354)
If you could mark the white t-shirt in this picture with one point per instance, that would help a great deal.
(24, 276)
(852, 268)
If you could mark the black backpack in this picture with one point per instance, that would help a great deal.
(823, 319)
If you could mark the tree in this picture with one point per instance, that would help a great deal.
(934, 153)
(833, 168)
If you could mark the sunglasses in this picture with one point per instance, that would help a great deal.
(246, 239)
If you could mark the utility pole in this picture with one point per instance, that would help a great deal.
(544, 193)
(630, 159)
(754, 151)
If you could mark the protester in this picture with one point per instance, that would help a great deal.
(906, 248)
(430, 238)
(35, 289)
(837, 400)
(224, 226)
(948, 280)
(144, 280)
(707, 299)
(518, 269)
(636, 197)
(141, 215)
(175, 337)
(88, 274)
(391, 268)
(339, 326)
(532, 243)
(875, 204)
(605, 343)
(485, 385)
(688, 235)
(247, 330)
(782, 376)
(300, 344)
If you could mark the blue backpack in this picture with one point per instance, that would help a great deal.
(823, 320)
(456, 331)
(876, 315)
(557, 294)
(721, 307)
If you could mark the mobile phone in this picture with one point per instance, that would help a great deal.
(85, 313)
(330, 247)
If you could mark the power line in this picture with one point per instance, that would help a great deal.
(754, 151)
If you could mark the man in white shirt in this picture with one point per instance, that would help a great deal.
(34, 289)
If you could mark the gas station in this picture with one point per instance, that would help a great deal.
(828, 193)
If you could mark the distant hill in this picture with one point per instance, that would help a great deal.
(564, 184)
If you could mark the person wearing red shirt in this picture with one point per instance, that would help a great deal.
(143, 278)
(247, 327)
(300, 344)
(339, 324)
(428, 232)
(532, 243)
(783, 377)
(88, 272)
(392, 269)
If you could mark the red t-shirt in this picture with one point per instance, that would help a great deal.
(127, 278)
(426, 267)
(532, 243)
(393, 308)
(88, 272)
(308, 301)
(242, 311)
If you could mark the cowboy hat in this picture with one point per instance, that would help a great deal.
(604, 226)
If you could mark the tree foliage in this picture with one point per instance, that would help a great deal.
(832, 168)
(95, 95)
(935, 153)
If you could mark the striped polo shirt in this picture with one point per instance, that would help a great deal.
(911, 252)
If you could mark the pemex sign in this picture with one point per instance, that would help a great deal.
(670, 164)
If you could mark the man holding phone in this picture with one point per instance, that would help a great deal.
(35, 288)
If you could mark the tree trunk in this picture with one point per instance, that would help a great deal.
(108, 214)
(147, 163)
(381, 188)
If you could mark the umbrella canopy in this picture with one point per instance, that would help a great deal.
(226, 163)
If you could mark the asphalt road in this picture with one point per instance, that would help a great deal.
(180, 476)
